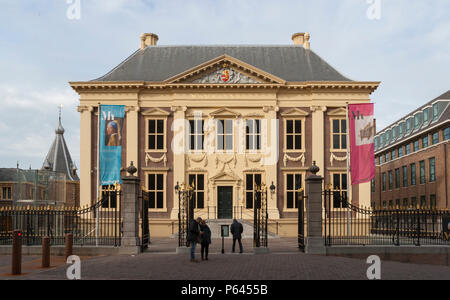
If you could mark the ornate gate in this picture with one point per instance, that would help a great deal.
(145, 229)
(185, 212)
(301, 219)
(260, 219)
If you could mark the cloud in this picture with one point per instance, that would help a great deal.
(408, 49)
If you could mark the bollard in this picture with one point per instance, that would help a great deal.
(16, 267)
(46, 252)
(69, 245)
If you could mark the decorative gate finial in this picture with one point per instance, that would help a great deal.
(314, 168)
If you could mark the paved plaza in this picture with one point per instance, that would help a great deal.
(284, 262)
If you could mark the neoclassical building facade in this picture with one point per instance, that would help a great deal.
(225, 118)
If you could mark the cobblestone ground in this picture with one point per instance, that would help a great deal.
(284, 263)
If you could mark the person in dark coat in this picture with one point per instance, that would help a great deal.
(194, 236)
(206, 239)
(237, 229)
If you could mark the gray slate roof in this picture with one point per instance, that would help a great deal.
(444, 117)
(8, 175)
(58, 158)
(159, 63)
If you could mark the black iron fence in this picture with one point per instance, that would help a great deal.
(347, 224)
(99, 224)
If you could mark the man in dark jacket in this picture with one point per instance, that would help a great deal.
(237, 229)
(194, 235)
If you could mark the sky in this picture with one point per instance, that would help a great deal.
(405, 44)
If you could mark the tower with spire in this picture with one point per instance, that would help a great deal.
(58, 158)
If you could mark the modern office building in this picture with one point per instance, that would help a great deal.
(412, 158)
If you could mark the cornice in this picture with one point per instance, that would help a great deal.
(109, 86)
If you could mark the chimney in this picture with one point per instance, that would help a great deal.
(148, 39)
(301, 39)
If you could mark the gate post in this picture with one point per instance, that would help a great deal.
(314, 241)
(130, 239)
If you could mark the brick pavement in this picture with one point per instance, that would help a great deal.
(284, 263)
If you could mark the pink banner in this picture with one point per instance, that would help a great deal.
(362, 149)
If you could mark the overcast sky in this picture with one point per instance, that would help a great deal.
(42, 47)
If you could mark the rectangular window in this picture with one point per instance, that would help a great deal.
(294, 135)
(405, 176)
(408, 125)
(390, 180)
(435, 138)
(408, 149)
(155, 134)
(393, 154)
(156, 186)
(383, 185)
(381, 160)
(397, 203)
(253, 135)
(423, 201)
(225, 134)
(251, 181)
(6, 191)
(422, 172)
(198, 197)
(400, 152)
(416, 146)
(373, 186)
(196, 134)
(397, 178)
(109, 198)
(425, 142)
(293, 184)
(386, 157)
(432, 169)
(413, 174)
(339, 134)
(339, 184)
(433, 201)
(405, 202)
(447, 134)
(414, 201)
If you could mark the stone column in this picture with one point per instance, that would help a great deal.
(85, 154)
(272, 153)
(130, 239)
(314, 241)
(179, 157)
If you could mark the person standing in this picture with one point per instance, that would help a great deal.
(194, 236)
(206, 239)
(237, 229)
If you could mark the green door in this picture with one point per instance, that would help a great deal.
(225, 202)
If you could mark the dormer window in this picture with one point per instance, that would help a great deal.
(435, 111)
(408, 125)
(426, 116)
(416, 121)
(400, 129)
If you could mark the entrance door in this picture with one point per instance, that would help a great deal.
(225, 202)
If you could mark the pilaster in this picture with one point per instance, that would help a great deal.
(85, 154)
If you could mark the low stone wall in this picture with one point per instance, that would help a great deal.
(430, 255)
(60, 250)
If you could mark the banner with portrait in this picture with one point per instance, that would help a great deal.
(111, 124)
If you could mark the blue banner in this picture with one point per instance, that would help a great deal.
(111, 124)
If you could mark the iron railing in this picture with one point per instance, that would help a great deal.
(99, 224)
(347, 224)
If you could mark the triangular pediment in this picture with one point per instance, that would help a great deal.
(225, 176)
(225, 70)
(224, 112)
(295, 112)
(338, 112)
(156, 112)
